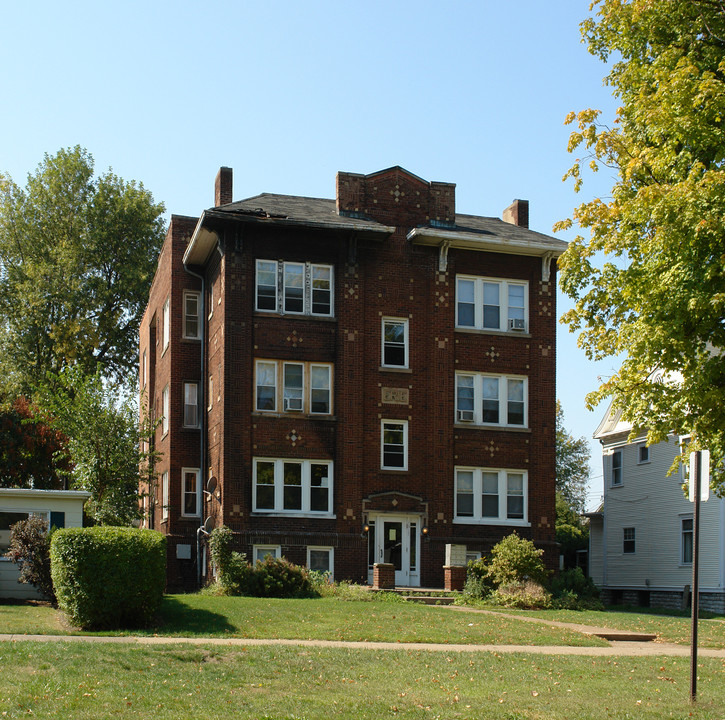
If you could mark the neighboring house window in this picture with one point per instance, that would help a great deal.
(642, 454)
(190, 492)
(617, 467)
(472, 555)
(291, 387)
(166, 325)
(165, 496)
(320, 559)
(394, 444)
(259, 552)
(8, 518)
(491, 304)
(191, 405)
(298, 288)
(489, 495)
(395, 343)
(192, 326)
(165, 410)
(284, 486)
(686, 541)
(628, 537)
(144, 370)
(491, 399)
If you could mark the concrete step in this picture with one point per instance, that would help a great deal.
(429, 599)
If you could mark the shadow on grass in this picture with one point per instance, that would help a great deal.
(177, 618)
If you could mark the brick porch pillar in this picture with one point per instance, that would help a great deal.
(454, 577)
(383, 576)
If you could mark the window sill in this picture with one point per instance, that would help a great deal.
(191, 339)
(297, 316)
(293, 514)
(495, 428)
(393, 471)
(388, 368)
(491, 521)
(290, 415)
(190, 517)
(501, 333)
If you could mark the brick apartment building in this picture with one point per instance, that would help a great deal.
(351, 381)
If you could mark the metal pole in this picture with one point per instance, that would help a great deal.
(695, 476)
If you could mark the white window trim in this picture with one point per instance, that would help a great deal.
(197, 473)
(617, 452)
(165, 411)
(640, 448)
(145, 370)
(279, 388)
(306, 491)
(501, 519)
(390, 421)
(165, 495)
(331, 554)
(166, 325)
(682, 518)
(272, 549)
(397, 320)
(633, 540)
(502, 400)
(195, 405)
(197, 295)
(307, 288)
(504, 309)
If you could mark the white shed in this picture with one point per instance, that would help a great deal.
(61, 508)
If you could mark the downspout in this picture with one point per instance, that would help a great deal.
(202, 416)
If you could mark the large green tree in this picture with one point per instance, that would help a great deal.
(572, 465)
(649, 280)
(77, 255)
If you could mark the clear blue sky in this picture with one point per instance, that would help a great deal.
(288, 93)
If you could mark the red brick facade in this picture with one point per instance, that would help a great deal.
(396, 247)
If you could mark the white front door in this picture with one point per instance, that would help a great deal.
(395, 539)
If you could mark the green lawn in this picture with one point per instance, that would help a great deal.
(91, 682)
(669, 627)
(318, 619)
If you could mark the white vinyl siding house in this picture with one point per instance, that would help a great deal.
(652, 503)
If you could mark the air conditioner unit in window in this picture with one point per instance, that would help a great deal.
(465, 416)
(293, 404)
(518, 324)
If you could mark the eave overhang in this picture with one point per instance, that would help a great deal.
(206, 234)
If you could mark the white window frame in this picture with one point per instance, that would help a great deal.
(404, 426)
(25, 514)
(306, 487)
(310, 277)
(273, 550)
(285, 401)
(144, 370)
(503, 478)
(166, 325)
(191, 393)
(165, 411)
(188, 295)
(617, 467)
(643, 454)
(473, 413)
(683, 532)
(196, 493)
(384, 344)
(629, 535)
(165, 495)
(508, 315)
(330, 555)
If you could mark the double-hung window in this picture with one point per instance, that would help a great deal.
(491, 496)
(395, 343)
(297, 288)
(165, 496)
(165, 410)
(292, 486)
(166, 325)
(628, 540)
(686, 543)
(321, 559)
(485, 399)
(491, 304)
(192, 326)
(190, 492)
(292, 387)
(617, 467)
(394, 444)
(191, 405)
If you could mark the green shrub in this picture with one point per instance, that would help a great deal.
(525, 595)
(478, 583)
(30, 551)
(575, 582)
(514, 560)
(108, 577)
(232, 569)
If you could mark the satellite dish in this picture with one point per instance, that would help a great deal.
(211, 485)
(208, 524)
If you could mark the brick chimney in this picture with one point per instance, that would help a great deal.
(517, 213)
(223, 187)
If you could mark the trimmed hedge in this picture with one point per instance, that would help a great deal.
(108, 577)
